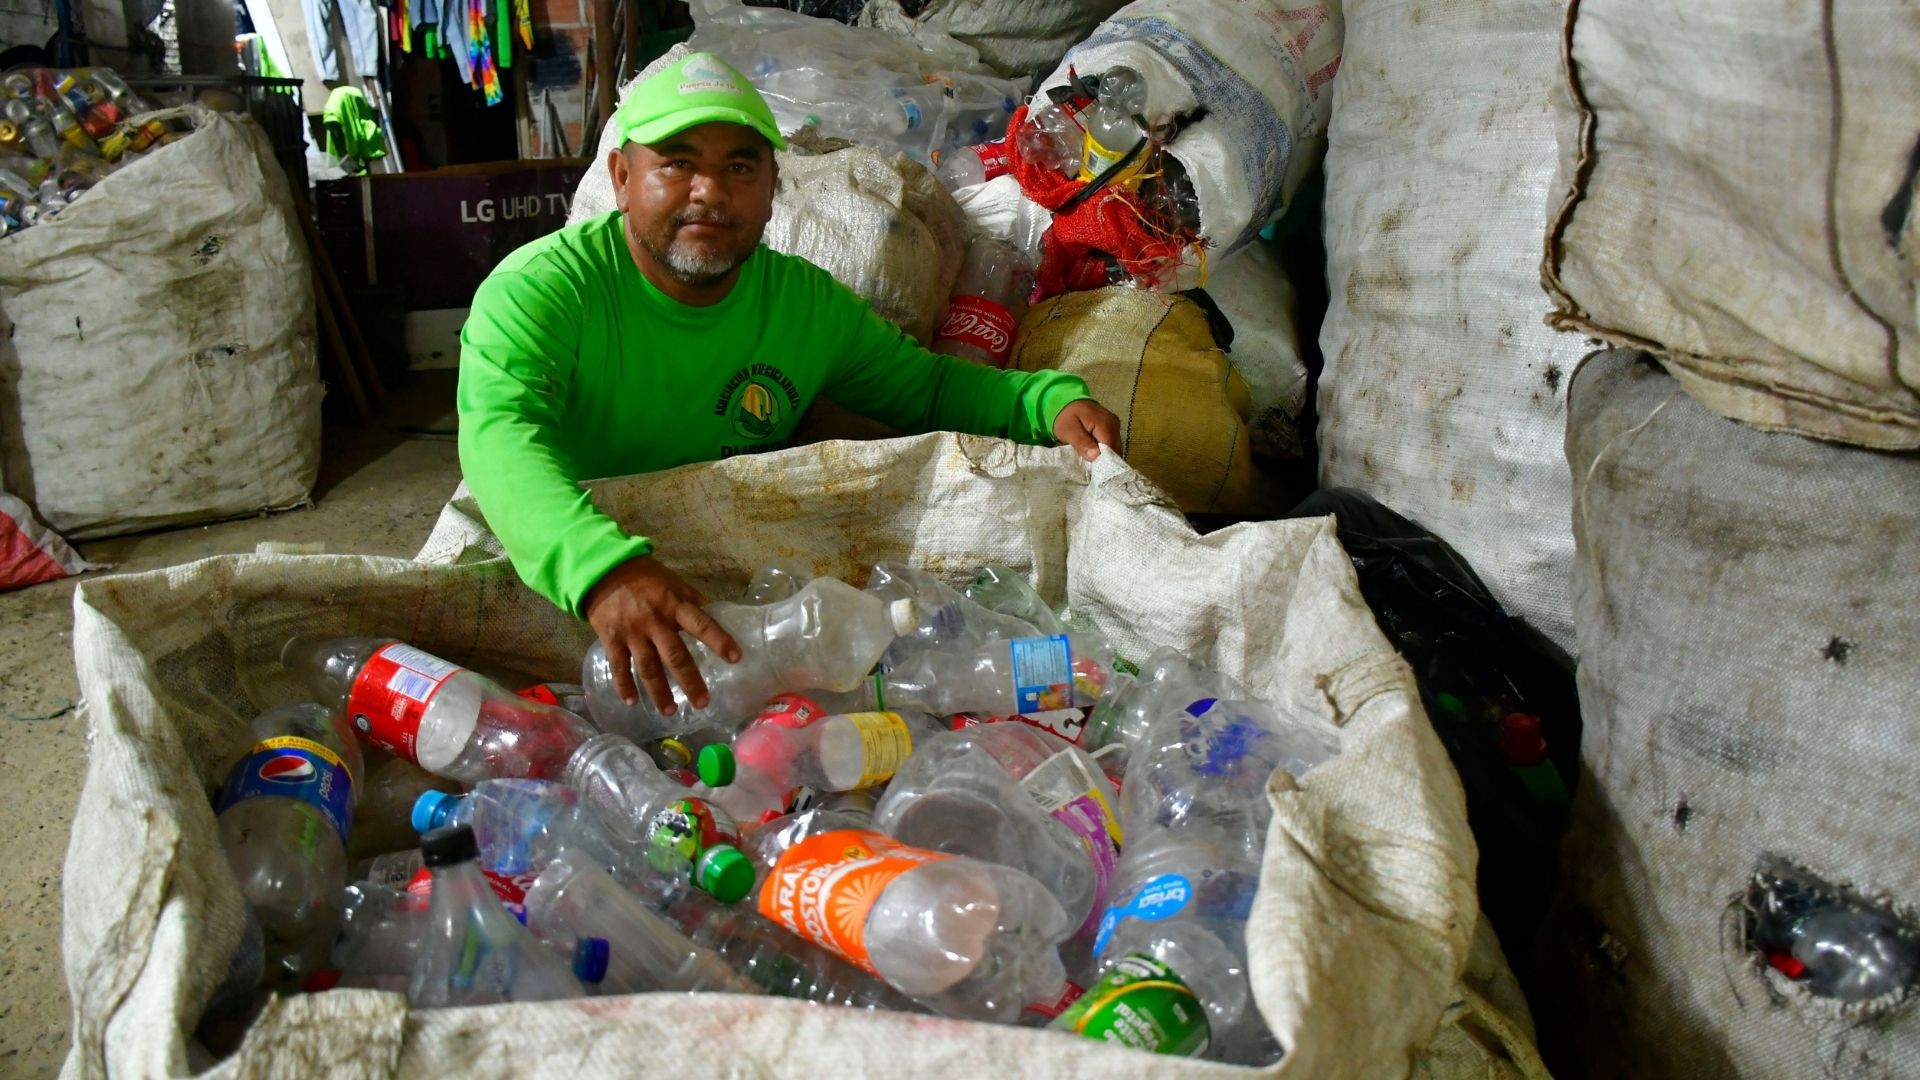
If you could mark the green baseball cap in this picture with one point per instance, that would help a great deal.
(701, 88)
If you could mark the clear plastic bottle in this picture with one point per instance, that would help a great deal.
(574, 901)
(393, 869)
(473, 952)
(999, 678)
(1196, 817)
(682, 836)
(380, 932)
(983, 314)
(781, 963)
(1853, 953)
(1010, 794)
(776, 581)
(831, 753)
(943, 617)
(998, 588)
(1169, 682)
(1051, 136)
(1113, 126)
(976, 164)
(826, 636)
(383, 808)
(452, 722)
(962, 937)
(285, 812)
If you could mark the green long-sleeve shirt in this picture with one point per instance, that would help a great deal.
(573, 367)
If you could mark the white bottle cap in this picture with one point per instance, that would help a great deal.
(901, 612)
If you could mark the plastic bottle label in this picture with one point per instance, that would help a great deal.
(790, 711)
(994, 158)
(391, 693)
(682, 830)
(1066, 771)
(1068, 995)
(510, 888)
(290, 767)
(1160, 898)
(1087, 821)
(1141, 1003)
(1068, 724)
(823, 887)
(981, 323)
(1042, 673)
(885, 741)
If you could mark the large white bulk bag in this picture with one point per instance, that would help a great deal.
(1748, 674)
(1362, 934)
(157, 360)
(1443, 393)
(1740, 199)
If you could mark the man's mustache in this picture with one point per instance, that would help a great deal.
(703, 217)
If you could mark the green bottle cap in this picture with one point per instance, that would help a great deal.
(715, 766)
(1450, 704)
(725, 873)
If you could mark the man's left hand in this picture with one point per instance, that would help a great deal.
(1086, 425)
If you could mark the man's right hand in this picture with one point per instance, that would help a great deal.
(639, 609)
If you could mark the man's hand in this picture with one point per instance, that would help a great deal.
(1086, 425)
(639, 609)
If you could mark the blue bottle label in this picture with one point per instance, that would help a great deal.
(1042, 673)
(289, 767)
(1160, 898)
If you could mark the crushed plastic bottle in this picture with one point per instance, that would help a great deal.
(1196, 822)
(1009, 794)
(970, 165)
(472, 951)
(826, 636)
(1113, 128)
(1051, 137)
(1000, 678)
(962, 937)
(1852, 953)
(776, 581)
(576, 906)
(984, 311)
(681, 835)
(943, 616)
(380, 932)
(452, 722)
(782, 964)
(792, 744)
(285, 812)
(1168, 682)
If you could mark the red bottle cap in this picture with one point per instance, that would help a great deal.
(1520, 740)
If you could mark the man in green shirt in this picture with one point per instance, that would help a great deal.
(665, 334)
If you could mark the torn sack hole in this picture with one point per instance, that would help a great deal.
(1828, 938)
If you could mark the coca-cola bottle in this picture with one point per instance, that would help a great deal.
(981, 317)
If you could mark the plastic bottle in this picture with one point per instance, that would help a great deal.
(574, 902)
(943, 617)
(976, 164)
(1853, 953)
(472, 951)
(1196, 819)
(825, 753)
(1000, 589)
(826, 636)
(393, 869)
(982, 315)
(781, 963)
(383, 808)
(452, 722)
(380, 932)
(1051, 137)
(1009, 794)
(1000, 678)
(680, 835)
(1112, 127)
(962, 937)
(285, 812)
(776, 581)
(1168, 682)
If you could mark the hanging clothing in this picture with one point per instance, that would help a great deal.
(362, 26)
(352, 130)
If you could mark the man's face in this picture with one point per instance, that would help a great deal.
(697, 201)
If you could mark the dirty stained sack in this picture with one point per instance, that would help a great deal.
(1364, 920)
(1748, 634)
(1442, 394)
(157, 361)
(1753, 218)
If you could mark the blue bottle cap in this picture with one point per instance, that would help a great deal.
(590, 959)
(1199, 708)
(432, 809)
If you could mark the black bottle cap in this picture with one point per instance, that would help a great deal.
(449, 846)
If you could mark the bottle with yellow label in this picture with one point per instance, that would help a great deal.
(1113, 128)
(771, 758)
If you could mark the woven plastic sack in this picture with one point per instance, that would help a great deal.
(879, 223)
(1752, 219)
(157, 358)
(1747, 678)
(1442, 394)
(1014, 37)
(1364, 920)
(1253, 291)
(31, 553)
(1151, 358)
(1262, 70)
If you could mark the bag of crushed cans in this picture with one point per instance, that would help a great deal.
(62, 131)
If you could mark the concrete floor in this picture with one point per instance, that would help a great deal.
(378, 494)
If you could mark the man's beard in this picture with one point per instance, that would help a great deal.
(689, 262)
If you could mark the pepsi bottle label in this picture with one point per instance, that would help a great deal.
(289, 767)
